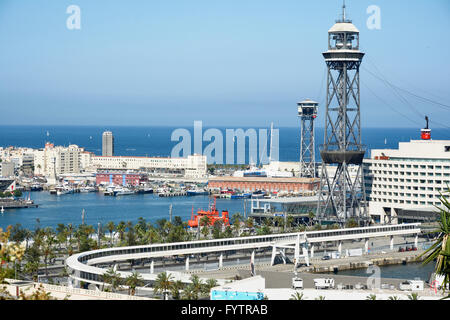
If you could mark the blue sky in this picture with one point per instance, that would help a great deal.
(227, 63)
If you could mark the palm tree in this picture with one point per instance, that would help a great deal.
(289, 221)
(210, 283)
(197, 286)
(162, 284)
(236, 218)
(111, 227)
(112, 278)
(188, 293)
(297, 296)
(121, 229)
(371, 297)
(311, 216)
(413, 296)
(320, 298)
(394, 298)
(47, 249)
(134, 280)
(175, 289)
(440, 250)
(250, 222)
(204, 222)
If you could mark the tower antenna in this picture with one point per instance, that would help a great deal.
(343, 11)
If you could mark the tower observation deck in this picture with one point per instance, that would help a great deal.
(342, 197)
(307, 112)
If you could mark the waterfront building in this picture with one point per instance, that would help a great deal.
(53, 161)
(404, 184)
(120, 178)
(193, 166)
(6, 169)
(264, 183)
(107, 144)
(22, 158)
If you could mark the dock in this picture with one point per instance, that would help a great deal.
(17, 204)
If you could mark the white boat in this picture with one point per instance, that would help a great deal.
(122, 191)
(63, 190)
(3, 210)
(87, 189)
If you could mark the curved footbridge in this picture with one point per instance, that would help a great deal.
(85, 266)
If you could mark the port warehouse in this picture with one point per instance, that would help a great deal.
(82, 266)
(264, 183)
(120, 178)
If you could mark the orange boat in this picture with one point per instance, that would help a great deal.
(212, 214)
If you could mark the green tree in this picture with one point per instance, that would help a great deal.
(47, 247)
(217, 229)
(163, 284)
(197, 287)
(112, 278)
(297, 296)
(236, 221)
(250, 222)
(204, 222)
(176, 288)
(121, 227)
(371, 297)
(188, 293)
(130, 235)
(210, 283)
(133, 281)
(413, 296)
(111, 227)
(351, 223)
(311, 216)
(17, 193)
(440, 250)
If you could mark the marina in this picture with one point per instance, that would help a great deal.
(341, 202)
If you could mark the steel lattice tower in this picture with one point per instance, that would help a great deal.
(342, 196)
(307, 112)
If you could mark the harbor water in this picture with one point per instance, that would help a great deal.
(67, 208)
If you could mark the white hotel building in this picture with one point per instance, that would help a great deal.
(404, 184)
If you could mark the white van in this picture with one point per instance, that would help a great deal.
(322, 283)
(297, 283)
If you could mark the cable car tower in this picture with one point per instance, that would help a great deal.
(342, 196)
(307, 112)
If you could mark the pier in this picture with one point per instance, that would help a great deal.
(17, 204)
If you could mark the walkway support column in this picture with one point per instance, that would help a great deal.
(416, 240)
(187, 263)
(152, 267)
(221, 261)
(392, 243)
(312, 251)
(366, 246)
(340, 247)
(274, 253)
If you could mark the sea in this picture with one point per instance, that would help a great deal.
(148, 141)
